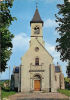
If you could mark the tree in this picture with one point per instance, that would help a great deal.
(67, 83)
(5, 35)
(63, 20)
(68, 69)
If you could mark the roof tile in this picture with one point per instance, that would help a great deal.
(36, 18)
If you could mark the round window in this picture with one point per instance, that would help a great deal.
(36, 49)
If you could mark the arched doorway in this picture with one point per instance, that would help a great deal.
(37, 83)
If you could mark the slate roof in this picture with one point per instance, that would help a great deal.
(16, 70)
(57, 69)
(36, 18)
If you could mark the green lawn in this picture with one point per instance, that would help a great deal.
(66, 92)
(5, 94)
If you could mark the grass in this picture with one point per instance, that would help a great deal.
(66, 92)
(6, 94)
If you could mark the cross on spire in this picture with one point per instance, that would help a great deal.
(36, 18)
(36, 5)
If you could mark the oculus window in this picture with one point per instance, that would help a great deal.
(36, 49)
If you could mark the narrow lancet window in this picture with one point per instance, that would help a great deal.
(36, 61)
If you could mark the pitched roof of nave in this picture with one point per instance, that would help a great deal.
(36, 18)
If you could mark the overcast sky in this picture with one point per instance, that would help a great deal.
(24, 10)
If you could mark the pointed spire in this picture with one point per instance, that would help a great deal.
(36, 18)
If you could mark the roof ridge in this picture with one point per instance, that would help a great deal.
(43, 47)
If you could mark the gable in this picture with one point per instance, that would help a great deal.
(31, 54)
(44, 48)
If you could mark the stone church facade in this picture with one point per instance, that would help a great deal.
(37, 71)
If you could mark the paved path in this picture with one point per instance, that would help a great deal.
(43, 96)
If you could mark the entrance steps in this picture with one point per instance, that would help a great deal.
(37, 91)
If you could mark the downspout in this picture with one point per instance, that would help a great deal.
(50, 78)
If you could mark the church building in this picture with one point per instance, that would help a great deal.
(37, 71)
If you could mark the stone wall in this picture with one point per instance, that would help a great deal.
(59, 81)
(44, 61)
(62, 81)
(16, 77)
(28, 67)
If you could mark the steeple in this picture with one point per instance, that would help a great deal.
(36, 18)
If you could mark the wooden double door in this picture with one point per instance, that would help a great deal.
(37, 85)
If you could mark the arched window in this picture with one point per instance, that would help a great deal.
(36, 61)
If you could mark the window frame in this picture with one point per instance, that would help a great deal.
(37, 61)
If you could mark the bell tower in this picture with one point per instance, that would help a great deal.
(36, 27)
